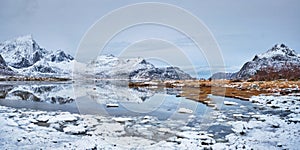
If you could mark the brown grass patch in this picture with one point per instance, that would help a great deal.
(199, 90)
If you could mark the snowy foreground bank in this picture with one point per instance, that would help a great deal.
(278, 127)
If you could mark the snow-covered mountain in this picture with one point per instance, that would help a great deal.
(168, 73)
(22, 52)
(59, 56)
(224, 75)
(135, 69)
(278, 57)
(109, 66)
(25, 57)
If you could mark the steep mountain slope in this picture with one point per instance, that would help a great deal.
(168, 73)
(277, 59)
(22, 52)
(26, 57)
(4, 69)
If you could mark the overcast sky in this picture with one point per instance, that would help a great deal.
(241, 28)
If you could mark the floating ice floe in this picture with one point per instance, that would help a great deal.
(43, 118)
(230, 103)
(66, 117)
(74, 129)
(121, 120)
(294, 118)
(240, 116)
(185, 110)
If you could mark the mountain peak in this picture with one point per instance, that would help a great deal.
(25, 39)
(278, 49)
(22, 51)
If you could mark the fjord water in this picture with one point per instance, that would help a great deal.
(95, 98)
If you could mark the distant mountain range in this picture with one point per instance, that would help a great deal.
(278, 60)
(109, 66)
(23, 56)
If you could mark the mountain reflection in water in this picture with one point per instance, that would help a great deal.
(95, 97)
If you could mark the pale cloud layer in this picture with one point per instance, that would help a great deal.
(242, 28)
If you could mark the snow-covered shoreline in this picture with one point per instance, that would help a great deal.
(275, 128)
(278, 129)
(62, 130)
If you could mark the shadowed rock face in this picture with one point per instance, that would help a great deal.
(4, 69)
(2, 61)
(22, 64)
(60, 56)
(169, 73)
(223, 75)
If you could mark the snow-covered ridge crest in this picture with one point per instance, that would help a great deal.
(21, 39)
(279, 49)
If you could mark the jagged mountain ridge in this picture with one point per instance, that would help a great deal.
(25, 57)
(134, 69)
(22, 52)
(278, 57)
(168, 73)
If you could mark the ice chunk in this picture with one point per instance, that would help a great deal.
(10, 122)
(43, 118)
(185, 110)
(75, 129)
(121, 120)
(230, 103)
